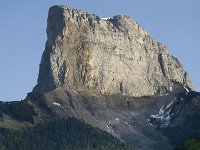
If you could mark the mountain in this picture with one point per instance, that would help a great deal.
(108, 56)
(111, 74)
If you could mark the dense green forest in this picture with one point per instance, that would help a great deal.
(190, 145)
(59, 134)
(19, 110)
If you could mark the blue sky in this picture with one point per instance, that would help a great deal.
(175, 23)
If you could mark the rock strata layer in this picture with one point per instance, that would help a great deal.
(107, 56)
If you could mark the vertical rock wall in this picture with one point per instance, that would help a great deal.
(113, 55)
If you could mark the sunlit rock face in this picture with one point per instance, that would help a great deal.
(107, 56)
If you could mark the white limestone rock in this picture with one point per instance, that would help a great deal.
(108, 56)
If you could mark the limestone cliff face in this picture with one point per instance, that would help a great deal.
(109, 56)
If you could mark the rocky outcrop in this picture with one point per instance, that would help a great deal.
(108, 56)
(158, 122)
(107, 72)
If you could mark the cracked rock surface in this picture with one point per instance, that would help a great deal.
(107, 56)
(112, 74)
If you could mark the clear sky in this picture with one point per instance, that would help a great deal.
(175, 23)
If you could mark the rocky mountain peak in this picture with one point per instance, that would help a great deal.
(105, 55)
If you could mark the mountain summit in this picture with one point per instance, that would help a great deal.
(109, 73)
(105, 55)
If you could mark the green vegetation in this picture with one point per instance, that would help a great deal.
(190, 145)
(19, 110)
(59, 134)
(16, 114)
(182, 136)
(10, 123)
